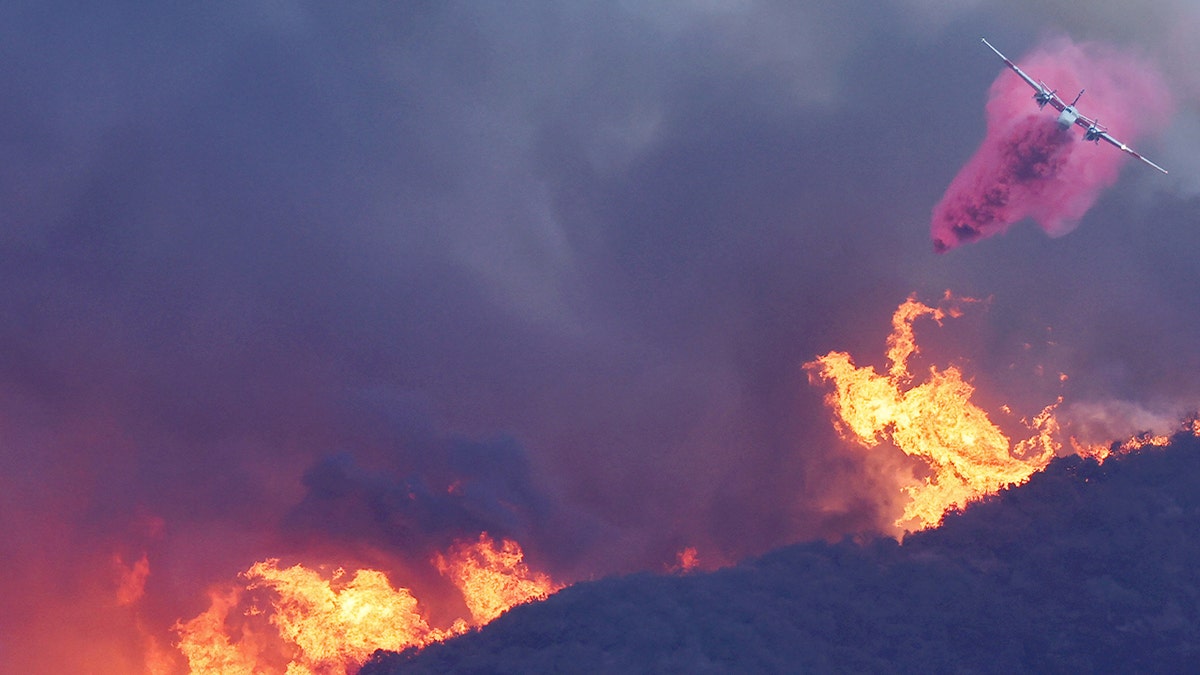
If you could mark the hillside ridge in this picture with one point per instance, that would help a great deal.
(1086, 567)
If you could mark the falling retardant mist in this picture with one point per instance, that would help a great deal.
(1030, 167)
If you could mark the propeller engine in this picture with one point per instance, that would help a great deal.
(1044, 96)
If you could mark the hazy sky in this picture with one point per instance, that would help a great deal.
(269, 269)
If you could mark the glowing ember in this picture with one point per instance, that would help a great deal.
(493, 578)
(686, 561)
(966, 454)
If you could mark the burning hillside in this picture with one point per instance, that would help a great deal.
(961, 453)
(932, 419)
(298, 621)
(1004, 508)
(1087, 567)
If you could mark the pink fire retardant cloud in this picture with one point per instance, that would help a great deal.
(1027, 166)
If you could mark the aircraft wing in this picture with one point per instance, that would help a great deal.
(1127, 150)
(1043, 94)
(1101, 134)
(1092, 128)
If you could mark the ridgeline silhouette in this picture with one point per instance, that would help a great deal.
(1085, 568)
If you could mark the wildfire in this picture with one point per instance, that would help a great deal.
(493, 578)
(321, 626)
(295, 621)
(1132, 444)
(966, 454)
(207, 647)
(686, 561)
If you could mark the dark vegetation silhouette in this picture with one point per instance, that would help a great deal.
(1086, 568)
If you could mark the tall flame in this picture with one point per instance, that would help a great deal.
(295, 621)
(966, 454)
(331, 627)
(493, 578)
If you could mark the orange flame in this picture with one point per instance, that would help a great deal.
(321, 626)
(686, 561)
(493, 578)
(294, 621)
(1131, 444)
(966, 454)
(331, 627)
(209, 650)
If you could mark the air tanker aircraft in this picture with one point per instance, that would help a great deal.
(1067, 114)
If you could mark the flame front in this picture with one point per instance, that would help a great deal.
(967, 455)
(332, 627)
(322, 626)
(493, 578)
(207, 646)
(294, 621)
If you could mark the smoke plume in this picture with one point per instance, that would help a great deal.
(474, 487)
(1027, 166)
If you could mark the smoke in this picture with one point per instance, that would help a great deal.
(471, 487)
(1102, 421)
(1027, 166)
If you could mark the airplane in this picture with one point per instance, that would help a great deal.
(1068, 114)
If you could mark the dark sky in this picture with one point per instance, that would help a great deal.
(267, 269)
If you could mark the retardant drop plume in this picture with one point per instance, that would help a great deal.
(1027, 167)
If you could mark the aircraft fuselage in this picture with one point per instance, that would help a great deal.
(1067, 117)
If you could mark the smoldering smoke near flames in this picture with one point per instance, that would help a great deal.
(465, 487)
(1027, 167)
